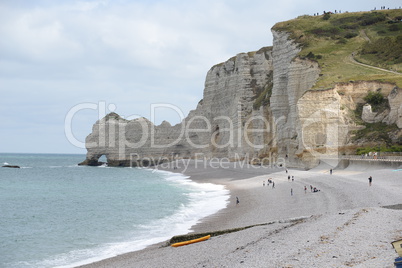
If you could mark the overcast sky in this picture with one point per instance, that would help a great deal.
(65, 63)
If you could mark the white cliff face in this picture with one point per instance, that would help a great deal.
(322, 127)
(373, 117)
(314, 123)
(230, 92)
(255, 105)
(225, 123)
(353, 94)
(292, 78)
(395, 103)
(326, 117)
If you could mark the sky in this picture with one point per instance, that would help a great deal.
(65, 63)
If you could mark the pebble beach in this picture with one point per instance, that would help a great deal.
(347, 223)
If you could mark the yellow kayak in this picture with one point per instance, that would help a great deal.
(179, 244)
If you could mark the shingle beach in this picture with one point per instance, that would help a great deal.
(347, 223)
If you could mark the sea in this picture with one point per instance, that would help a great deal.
(54, 213)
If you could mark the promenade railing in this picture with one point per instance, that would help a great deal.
(384, 158)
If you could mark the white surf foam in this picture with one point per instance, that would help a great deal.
(204, 199)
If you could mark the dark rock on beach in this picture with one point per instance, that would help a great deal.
(91, 162)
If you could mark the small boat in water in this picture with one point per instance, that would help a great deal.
(11, 166)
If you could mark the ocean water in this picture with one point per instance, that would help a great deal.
(54, 213)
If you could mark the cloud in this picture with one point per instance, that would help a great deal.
(57, 54)
(37, 36)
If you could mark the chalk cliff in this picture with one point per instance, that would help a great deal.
(257, 106)
(226, 122)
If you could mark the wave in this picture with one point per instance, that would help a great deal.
(104, 165)
(204, 199)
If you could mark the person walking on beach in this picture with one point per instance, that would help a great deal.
(237, 201)
(273, 184)
(370, 179)
(305, 189)
(330, 171)
(291, 191)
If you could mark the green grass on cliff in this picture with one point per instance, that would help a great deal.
(373, 38)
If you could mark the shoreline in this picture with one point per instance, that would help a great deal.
(216, 194)
(346, 192)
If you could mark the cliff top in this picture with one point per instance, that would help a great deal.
(250, 54)
(350, 46)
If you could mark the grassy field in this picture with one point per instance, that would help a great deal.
(373, 38)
